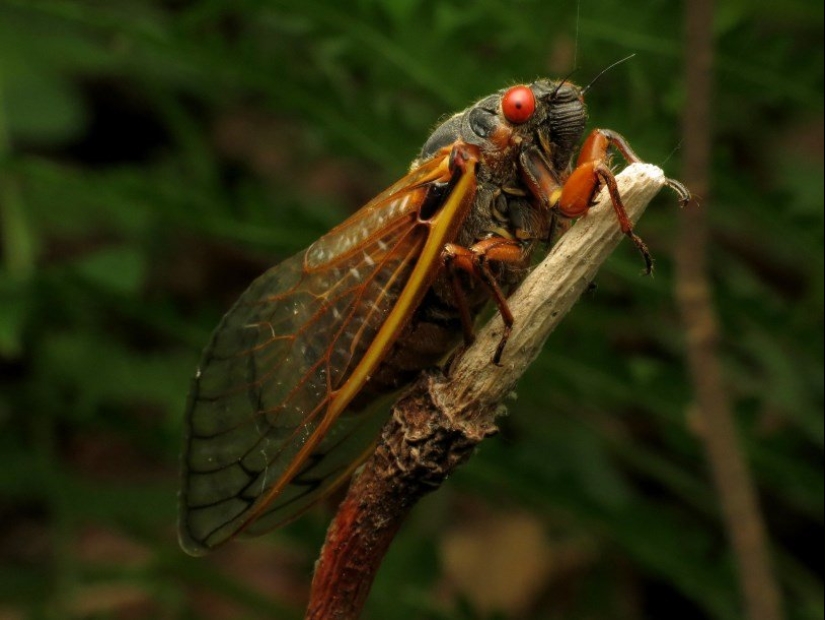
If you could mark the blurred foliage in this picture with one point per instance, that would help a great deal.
(156, 156)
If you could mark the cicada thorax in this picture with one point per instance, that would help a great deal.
(504, 206)
(542, 121)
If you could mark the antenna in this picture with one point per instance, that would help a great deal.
(562, 83)
(618, 62)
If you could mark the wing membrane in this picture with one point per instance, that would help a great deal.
(278, 372)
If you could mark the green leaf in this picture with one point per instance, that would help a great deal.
(121, 269)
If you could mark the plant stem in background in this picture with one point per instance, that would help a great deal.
(732, 477)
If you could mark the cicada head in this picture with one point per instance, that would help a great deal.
(550, 114)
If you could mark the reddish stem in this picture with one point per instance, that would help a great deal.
(418, 449)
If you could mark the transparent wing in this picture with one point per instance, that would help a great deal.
(280, 356)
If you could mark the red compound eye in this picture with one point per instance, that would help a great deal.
(518, 104)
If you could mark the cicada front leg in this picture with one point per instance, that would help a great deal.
(593, 171)
(601, 139)
(574, 197)
(475, 260)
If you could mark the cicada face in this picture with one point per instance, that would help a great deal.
(288, 396)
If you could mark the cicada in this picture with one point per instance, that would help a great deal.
(292, 389)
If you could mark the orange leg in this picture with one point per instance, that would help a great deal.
(601, 139)
(575, 196)
(581, 188)
(591, 173)
(475, 261)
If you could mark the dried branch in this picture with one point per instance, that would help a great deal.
(437, 424)
(734, 483)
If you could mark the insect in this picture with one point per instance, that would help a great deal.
(292, 388)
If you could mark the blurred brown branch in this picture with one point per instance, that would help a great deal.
(437, 424)
(733, 479)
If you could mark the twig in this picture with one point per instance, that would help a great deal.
(437, 424)
(734, 483)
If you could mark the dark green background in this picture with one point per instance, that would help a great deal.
(156, 156)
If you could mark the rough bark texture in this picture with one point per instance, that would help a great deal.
(418, 449)
(438, 423)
